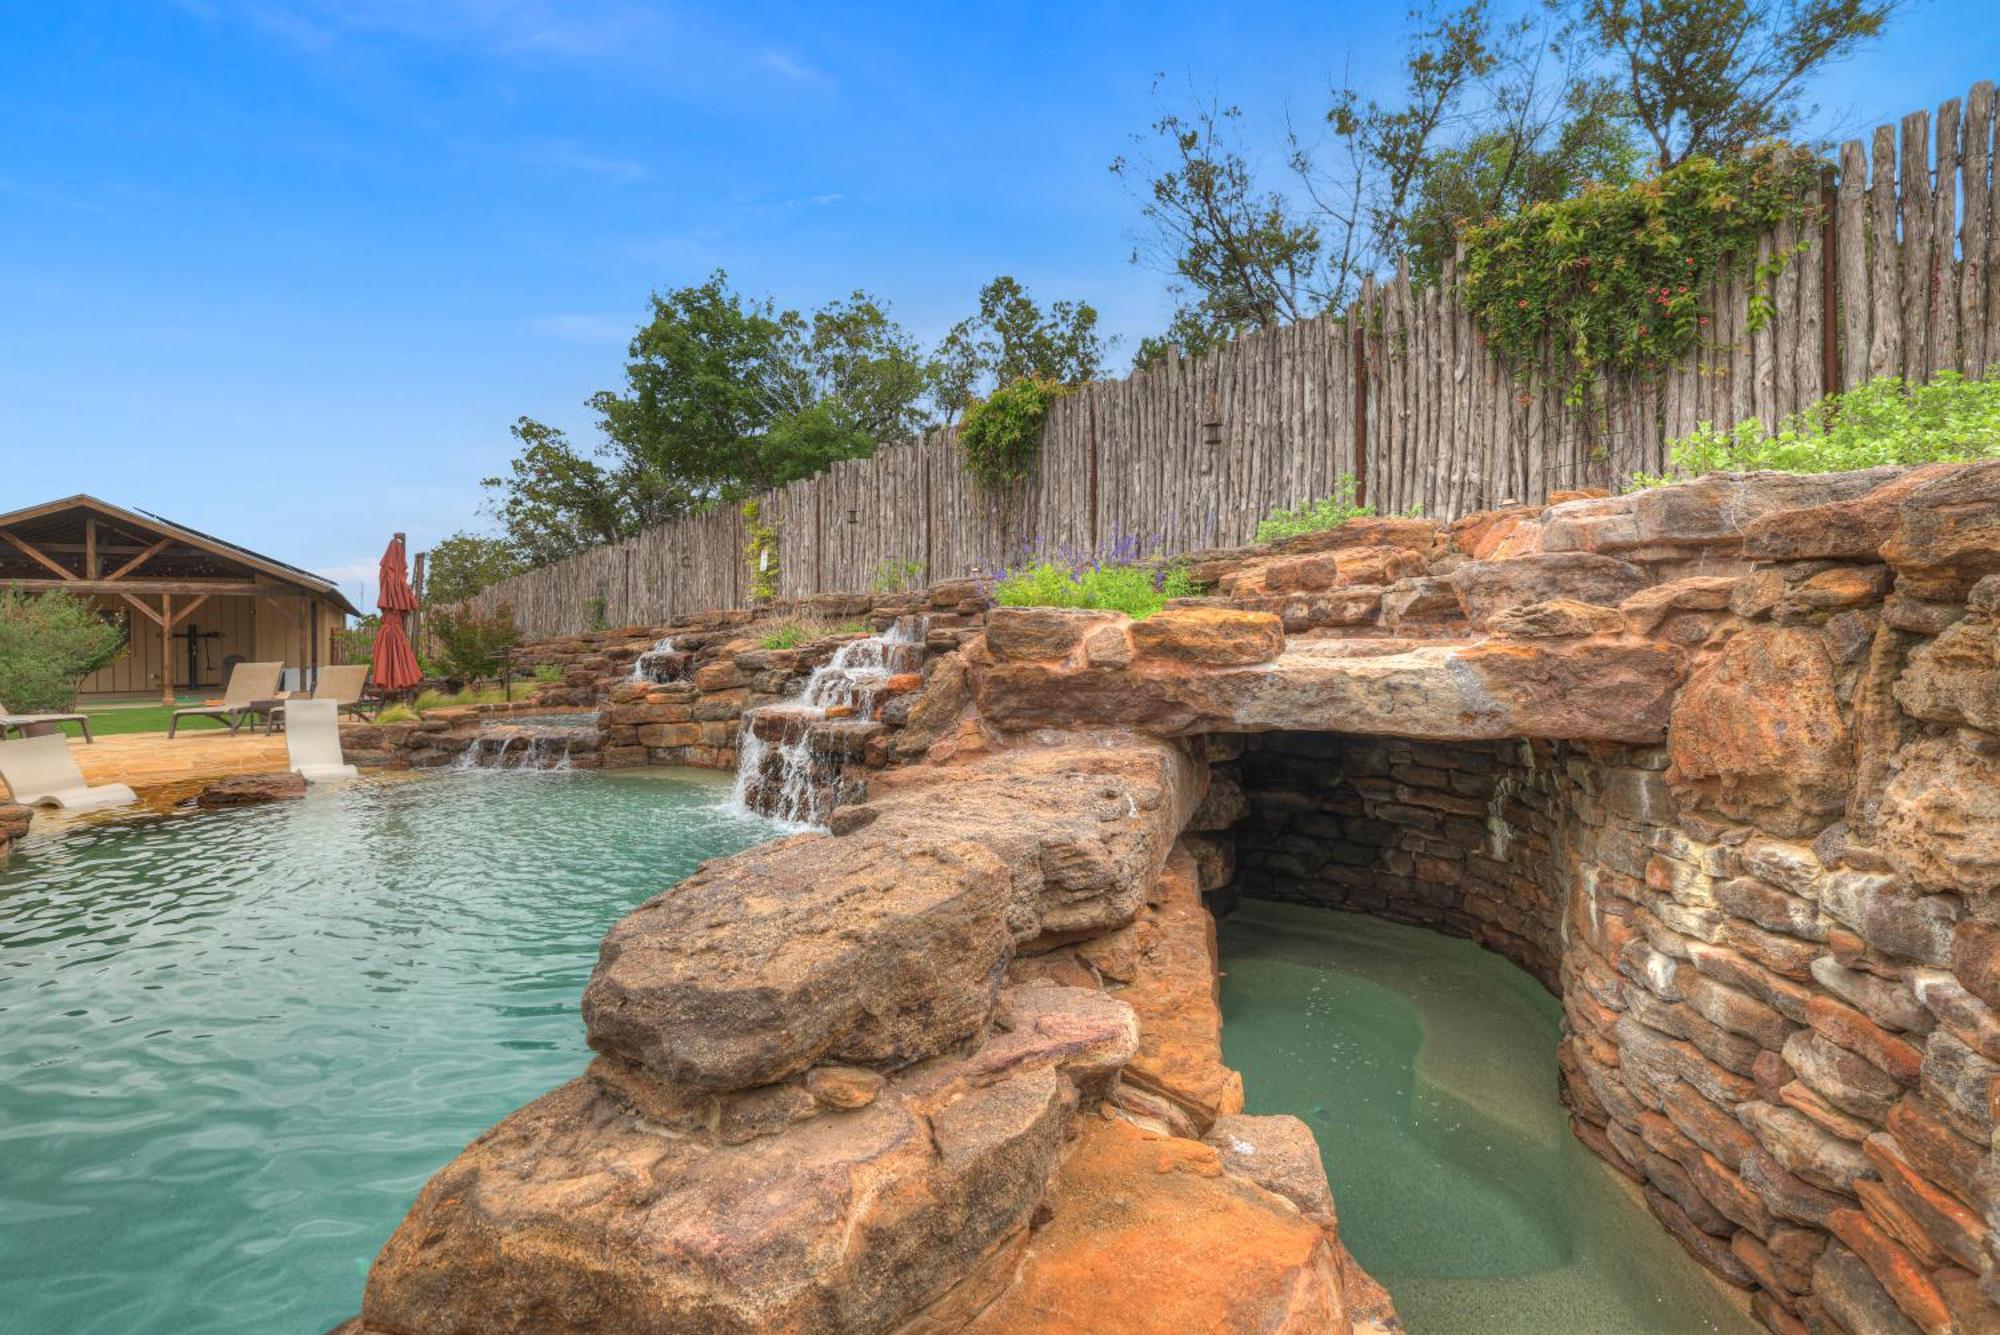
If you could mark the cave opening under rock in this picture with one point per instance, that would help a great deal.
(1428, 1070)
(1476, 839)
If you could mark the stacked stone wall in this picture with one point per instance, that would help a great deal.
(1460, 838)
(720, 668)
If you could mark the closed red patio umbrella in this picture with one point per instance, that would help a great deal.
(395, 662)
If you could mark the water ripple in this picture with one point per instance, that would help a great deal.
(233, 1044)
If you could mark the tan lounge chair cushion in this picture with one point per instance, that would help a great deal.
(39, 771)
(312, 739)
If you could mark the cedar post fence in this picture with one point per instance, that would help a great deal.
(1899, 276)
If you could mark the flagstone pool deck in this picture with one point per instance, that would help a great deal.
(152, 760)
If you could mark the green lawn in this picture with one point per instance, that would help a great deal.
(110, 722)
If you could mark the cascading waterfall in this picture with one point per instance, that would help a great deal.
(495, 747)
(661, 663)
(785, 767)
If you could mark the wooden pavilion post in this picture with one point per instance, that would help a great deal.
(417, 587)
(166, 649)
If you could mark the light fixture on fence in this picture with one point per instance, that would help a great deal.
(853, 515)
(687, 562)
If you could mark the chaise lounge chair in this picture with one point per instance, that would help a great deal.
(251, 688)
(22, 722)
(39, 771)
(345, 686)
(312, 740)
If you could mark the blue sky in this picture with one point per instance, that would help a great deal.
(286, 269)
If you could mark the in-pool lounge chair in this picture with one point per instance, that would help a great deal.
(39, 771)
(22, 722)
(345, 686)
(252, 688)
(312, 740)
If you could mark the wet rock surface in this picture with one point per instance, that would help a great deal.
(14, 820)
(241, 790)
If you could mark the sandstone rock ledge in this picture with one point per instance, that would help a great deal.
(875, 1081)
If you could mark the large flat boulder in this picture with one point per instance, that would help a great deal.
(1602, 688)
(1486, 589)
(1849, 529)
(862, 950)
(580, 1214)
(1713, 511)
(1757, 735)
(1947, 534)
(1151, 1234)
(886, 945)
(1084, 825)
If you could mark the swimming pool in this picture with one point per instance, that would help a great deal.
(233, 1045)
(1426, 1067)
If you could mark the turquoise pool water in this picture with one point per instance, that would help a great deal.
(1426, 1067)
(233, 1045)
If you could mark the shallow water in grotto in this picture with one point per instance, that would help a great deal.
(233, 1045)
(1426, 1068)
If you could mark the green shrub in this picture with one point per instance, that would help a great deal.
(356, 643)
(48, 643)
(1178, 583)
(1612, 277)
(792, 634)
(760, 549)
(1002, 436)
(397, 714)
(1127, 589)
(894, 576)
(1316, 516)
(545, 674)
(472, 695)
(1951, 419)
(472, 646)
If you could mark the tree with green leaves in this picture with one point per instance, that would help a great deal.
(685, 428)
(1710, 77)
(49, 642)
(1491, 113)
(723, 398)
(555, 502)
(1012, 337)
(461, 565)
(473, 646)
(1494, 113)
(840, 383)
(1241, 258)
